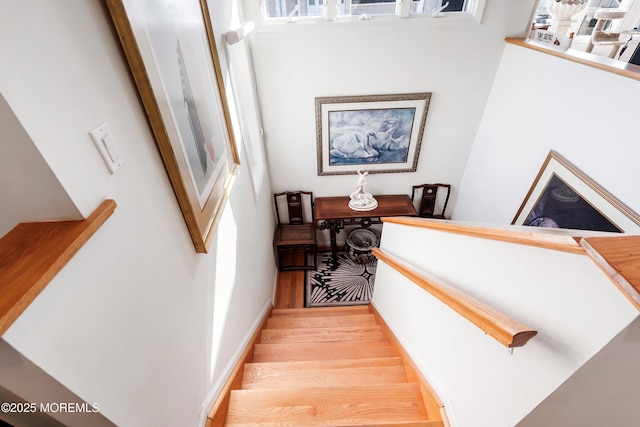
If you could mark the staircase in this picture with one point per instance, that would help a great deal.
(329, 367)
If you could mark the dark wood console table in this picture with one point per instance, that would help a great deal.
(333, 213)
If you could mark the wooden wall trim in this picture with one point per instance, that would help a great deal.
(555, 239)
(33, 253)
(218, 413)
(504, 329)
(620, 68)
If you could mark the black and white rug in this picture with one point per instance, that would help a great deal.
(350, 283)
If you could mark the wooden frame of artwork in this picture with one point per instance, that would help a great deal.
(172, 54)
(562, 196)
(380, 133)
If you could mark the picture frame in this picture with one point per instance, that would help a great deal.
(380, 133)
(172, 55)
(562, 196)
(243, 85)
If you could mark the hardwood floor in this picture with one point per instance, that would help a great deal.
(290, 285)
(290, 289)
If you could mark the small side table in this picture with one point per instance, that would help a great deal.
(333, 213)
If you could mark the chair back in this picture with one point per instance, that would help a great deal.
(431, 200)
(294, 207)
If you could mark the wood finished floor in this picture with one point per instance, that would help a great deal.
(290, 289)
(290, 284)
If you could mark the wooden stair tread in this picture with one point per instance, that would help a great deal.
(264, 376)
(289, 352)
(327, 367)
(338, 333)
(320, 311)
(336, 363)
(380, 405)
(320, 321)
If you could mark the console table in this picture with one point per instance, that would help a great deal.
(333, 213)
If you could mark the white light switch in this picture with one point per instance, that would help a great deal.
(107, 147)
(111, 147)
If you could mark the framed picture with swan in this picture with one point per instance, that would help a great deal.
(382, 133)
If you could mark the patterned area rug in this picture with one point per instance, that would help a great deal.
(349, 283)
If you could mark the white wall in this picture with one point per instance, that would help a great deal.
(29, 383)
(24, 172)
(538, 103)
(574, 307)
(296, 63)
(604, 392)
(137, 321)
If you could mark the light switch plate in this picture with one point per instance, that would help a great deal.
(107, 146)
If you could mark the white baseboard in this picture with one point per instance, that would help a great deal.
(217, 386)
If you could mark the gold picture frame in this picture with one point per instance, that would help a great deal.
(171, 51)
(562, 196)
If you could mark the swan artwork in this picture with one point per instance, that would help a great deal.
(385, 140)
(369, 136)
(381, 133)
(352, 142)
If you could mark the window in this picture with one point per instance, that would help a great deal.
(583, 22)
(274, 11)
(588, 22)
(622, 34)
(366, 7)
(292, 8)
(433, 6)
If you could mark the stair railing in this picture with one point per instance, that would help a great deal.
(551, 279)
(617, 255)
(507, 331)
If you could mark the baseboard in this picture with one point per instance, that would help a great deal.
(214, 408)
(432, 400)
(275, 286)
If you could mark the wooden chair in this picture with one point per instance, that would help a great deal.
(430, 200)
(294, 240)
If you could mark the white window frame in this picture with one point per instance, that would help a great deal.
(402, 12)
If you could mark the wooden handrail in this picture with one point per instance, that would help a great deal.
(619, 258)
(33, 253)
(557, 239)
(617, 255)
(502, 328)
